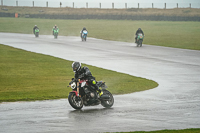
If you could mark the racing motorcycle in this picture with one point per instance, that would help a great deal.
(84, 35)
(37, 32)
(84, 94)
(55, 33)
(139, 40)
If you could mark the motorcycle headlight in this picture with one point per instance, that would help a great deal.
(73, 85)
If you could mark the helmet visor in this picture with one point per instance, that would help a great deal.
(74, 69)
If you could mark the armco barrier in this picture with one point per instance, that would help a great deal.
(2, 14)
(108, 16)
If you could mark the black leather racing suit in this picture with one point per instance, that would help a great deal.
(84, 73)
(137, 32)
(34, 29)
(82, 32)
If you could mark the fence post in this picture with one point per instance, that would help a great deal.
(126, 5)
(177, 5)
(152, 5)
(16, 3)
(87, 5)
(190, 5)
(33, 3)
(113, 5)
(47, 3)
(165, 6)
(138, 5)
(100, 5)
(73, 4)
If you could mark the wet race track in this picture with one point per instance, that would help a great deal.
(174, 104)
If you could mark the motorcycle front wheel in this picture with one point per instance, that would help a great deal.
(140, 43)
(74, 101)
(36, 34)
(108, 102)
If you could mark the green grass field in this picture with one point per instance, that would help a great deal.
(28, 76)
(162, 33)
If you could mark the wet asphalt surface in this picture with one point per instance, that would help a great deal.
(174, 104)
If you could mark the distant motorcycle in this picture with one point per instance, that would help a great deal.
(37, 32)
(84, 94)
(139, 40)
(84, 35)
(55, 33)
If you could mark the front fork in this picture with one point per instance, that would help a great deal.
(78, 88)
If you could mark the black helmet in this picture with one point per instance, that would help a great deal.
(139, 29)
(84, 28)
(76, 66)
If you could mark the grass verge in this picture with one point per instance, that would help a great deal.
(26, 76)
(162, 33)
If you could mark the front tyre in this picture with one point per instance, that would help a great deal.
(140, 43)
(36, 34)
(137, 42)
(74, 101)
(107, 103)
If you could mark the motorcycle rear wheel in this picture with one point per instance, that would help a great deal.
(74, 101)
(107, 103)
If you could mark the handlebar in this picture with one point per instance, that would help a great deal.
(73, 80)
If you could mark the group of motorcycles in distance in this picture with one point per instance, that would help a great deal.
(56, 31)
(139, 37)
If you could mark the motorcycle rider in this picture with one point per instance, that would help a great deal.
(82, 31)
(35, 27)
(137, 32)
(84, 73)
(55, 28)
